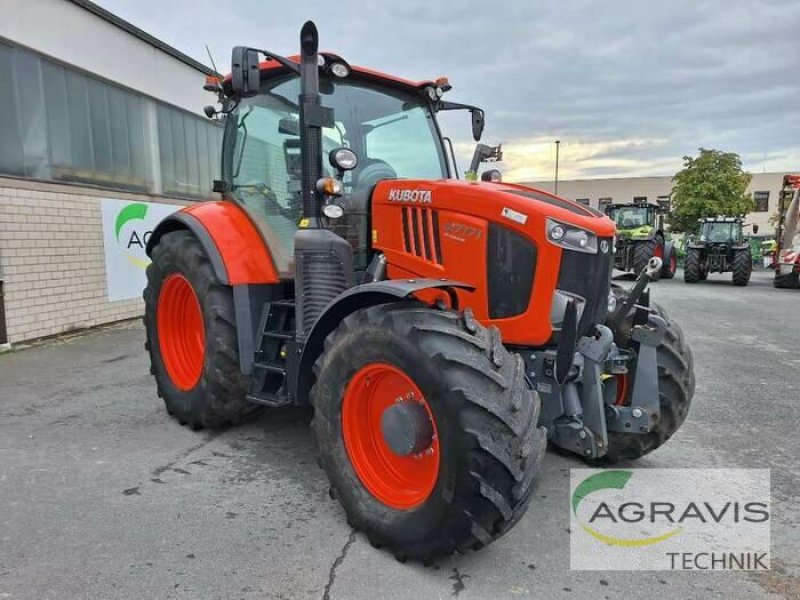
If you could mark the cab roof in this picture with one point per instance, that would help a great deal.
(272, 68)
(720, 219)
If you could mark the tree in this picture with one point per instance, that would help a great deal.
(710, 184)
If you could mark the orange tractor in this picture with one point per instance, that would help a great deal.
(443, 330)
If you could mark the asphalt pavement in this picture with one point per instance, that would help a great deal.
(102, 495)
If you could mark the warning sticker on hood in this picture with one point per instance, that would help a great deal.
(510, 213)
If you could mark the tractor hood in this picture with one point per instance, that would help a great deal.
(497, 237)
(514, 206)
(638, 233)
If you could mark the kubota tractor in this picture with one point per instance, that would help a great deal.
(720, 248)
(786, 256)
(442, 330)
(640, 236)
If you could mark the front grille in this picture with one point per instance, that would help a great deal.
(588, 276)
(511, 268)
(421, 233)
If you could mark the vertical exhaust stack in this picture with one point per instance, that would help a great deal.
(323, 260)
(313, 117)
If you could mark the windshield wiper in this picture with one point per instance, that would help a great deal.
(367, 127)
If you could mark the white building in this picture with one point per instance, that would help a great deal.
(93, 109)
(765, 189)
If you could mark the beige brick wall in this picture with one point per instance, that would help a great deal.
(52, 259)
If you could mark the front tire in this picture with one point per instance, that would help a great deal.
(788, 281)
(487, 446)
(191, 336)
(676, 384)
(642, 253)
(692, 270)
(742, 267)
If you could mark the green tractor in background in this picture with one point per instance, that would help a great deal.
(720, 248)
(641, 236)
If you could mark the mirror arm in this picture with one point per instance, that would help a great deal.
(447, 105)
(292, 66)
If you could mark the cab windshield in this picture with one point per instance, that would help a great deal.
(633, 216)
(394, 135)
(721, 232)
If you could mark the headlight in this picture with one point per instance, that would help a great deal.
(340, 69)
(571, 237)
(343, 159)
(557, 233)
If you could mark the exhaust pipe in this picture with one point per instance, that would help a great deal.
(313, 117)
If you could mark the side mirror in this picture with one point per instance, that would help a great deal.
(478, 123)
(755, 228)
(245, 75)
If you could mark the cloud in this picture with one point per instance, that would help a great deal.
(628, 86)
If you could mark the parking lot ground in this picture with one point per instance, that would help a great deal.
(102, 495)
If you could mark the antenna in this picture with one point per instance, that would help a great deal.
(211, 58)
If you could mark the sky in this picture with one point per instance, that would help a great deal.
(628, 87)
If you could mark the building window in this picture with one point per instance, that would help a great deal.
(605, 201)
(664, 203)
(762, 201)
(62, 124)
(584, 201)
(189, 150)
(639, 199)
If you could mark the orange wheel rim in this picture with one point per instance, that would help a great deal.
(400, 482)
(181, 333)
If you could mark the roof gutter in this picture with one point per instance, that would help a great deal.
(143, 35)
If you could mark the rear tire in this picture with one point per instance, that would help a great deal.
(642, 253)
(215, 395)
(485, 418)
(692, 269)
(676, 384)
(742, 267)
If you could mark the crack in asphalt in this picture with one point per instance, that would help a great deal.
(169, 466)
(326, 595)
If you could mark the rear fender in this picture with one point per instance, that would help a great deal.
(231, 240)
(356, 298)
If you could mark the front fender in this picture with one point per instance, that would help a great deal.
(231, 240)
(351, 300)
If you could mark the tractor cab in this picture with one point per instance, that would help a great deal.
(382, 127)
(633, 217)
